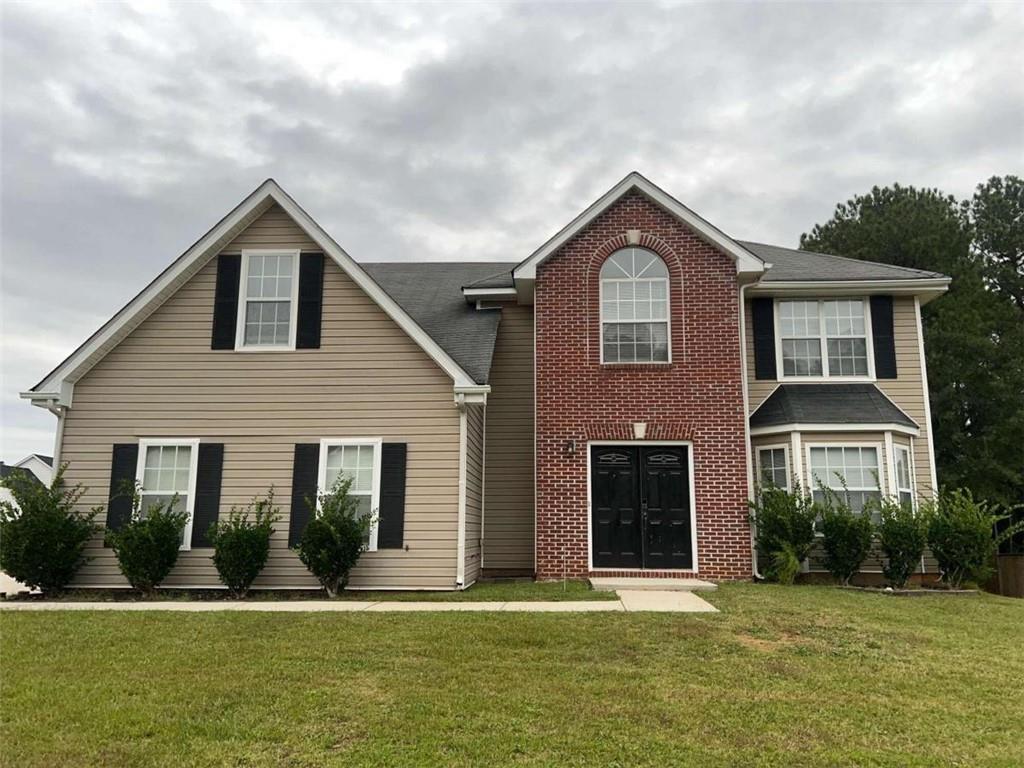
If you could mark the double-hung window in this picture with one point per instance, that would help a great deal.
(358, 460)
(268, 302)
(773, 467)
(167, 469)
(824, 338)
(904, 487)
(851, 471)
(634, 308)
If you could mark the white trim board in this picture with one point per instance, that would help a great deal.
(776, 429)
(57, 386)
(746, 261)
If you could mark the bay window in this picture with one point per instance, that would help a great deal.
(851, 471)
(904, 487)
(773, 467)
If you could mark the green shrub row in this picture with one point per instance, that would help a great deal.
(43, 537)
(956, 528)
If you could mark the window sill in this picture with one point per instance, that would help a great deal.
(263, 349)
(635, 366)
(827, 379)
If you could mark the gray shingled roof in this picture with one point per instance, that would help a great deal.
(6, 470)
(792, 264)
(431, 292)
(828, 404)
(501, 279)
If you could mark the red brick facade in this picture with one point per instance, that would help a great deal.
(698, 397)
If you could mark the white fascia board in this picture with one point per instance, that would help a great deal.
(796, 427)
(490, 293)
(746, 261)
(62, 378)
(931, 287)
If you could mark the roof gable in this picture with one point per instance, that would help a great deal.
(746, 261)
(58, 385)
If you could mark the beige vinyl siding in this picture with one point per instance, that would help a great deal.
(475, 420)
(906, 391)
(508, 494)
(369, 379)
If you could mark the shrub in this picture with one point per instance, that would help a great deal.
(335, 538)
(42, 537)
(902, 535)
(961, 535)
(147, 545)
(785, 530)
(847, 536)
(241, 545)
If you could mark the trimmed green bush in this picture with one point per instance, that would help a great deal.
(847, 536)
(961, 535)
(335, 538)
(42, 537)
(902, 535)
(241, 544)
(785, 530)
(147, 546)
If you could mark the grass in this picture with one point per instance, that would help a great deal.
(501, 591)
(782, 677)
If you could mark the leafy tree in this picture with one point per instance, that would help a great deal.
(997, 214)
(974, 335)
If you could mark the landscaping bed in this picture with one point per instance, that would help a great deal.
(484, 591)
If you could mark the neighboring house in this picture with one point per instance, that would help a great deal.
(605, 405)
(37, 466)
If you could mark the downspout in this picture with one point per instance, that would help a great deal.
(460, 566)
(746, 431)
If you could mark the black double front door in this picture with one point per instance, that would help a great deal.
(640, 506)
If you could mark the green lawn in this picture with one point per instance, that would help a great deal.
(783, 676)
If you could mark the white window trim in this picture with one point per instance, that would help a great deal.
(774, 447)
(321, 480)
(880, 453)
(243, 301)
(193, 469)
(822, 341)
(668, 311)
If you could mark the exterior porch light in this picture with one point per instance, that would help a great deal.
(570, 447)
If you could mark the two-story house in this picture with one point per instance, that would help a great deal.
(606, 405)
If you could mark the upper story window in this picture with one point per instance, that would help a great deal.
(824, 338)
(634, 308)
(268, 301)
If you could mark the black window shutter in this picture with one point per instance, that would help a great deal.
(207, 502)
(123, 463)
(311, 299)
(304, 477)
(763, 312)
(391, 525)
(884, 339)
(225, 302)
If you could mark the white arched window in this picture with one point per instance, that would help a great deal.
(634, 308)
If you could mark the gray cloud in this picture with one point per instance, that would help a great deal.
(463, 131)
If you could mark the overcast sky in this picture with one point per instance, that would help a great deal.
(458, 131)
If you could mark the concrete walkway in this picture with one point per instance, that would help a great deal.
(629, 601)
